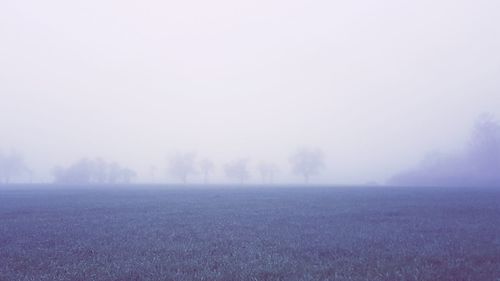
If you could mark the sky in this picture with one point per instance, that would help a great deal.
(375, 84)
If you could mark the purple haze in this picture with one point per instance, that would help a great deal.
(478, 163)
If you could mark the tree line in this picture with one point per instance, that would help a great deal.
(181, 167)
(477, 164)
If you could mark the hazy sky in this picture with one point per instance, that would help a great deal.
(375, 84)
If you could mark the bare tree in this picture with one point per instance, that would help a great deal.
(307, 162)
(267, 172)
(207, 167)
(237, 170)
(182, 165)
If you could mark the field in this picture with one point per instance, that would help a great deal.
(251, 233)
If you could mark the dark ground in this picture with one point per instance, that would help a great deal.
(152, 233)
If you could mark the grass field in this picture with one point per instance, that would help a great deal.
(251, 233)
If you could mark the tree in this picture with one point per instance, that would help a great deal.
(477, 165)
(98, 171)
(126, 175)
(152, 173)
(207, 167)
(113, 173)
(484, 147)
(12, 165)
(181, 165)
(307, 162)
(267, 172)
(80, 172)
(237, 170)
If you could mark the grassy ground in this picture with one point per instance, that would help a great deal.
(146, 233)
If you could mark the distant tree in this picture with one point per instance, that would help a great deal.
(126, 175)
(267, 172)
(207, 167)
(477, 165)
(237, 170)
(152, 173)
(307, 162)
(31, 174)
(182, 165)
(58, 173)
(98, 171)
(484, 147)
(113, 172)
(80, 172)
(12, 165)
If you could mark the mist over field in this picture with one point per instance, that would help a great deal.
(264, 140)
(132, 86)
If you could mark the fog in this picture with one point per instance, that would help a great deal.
(476, 164)
(375, 85)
